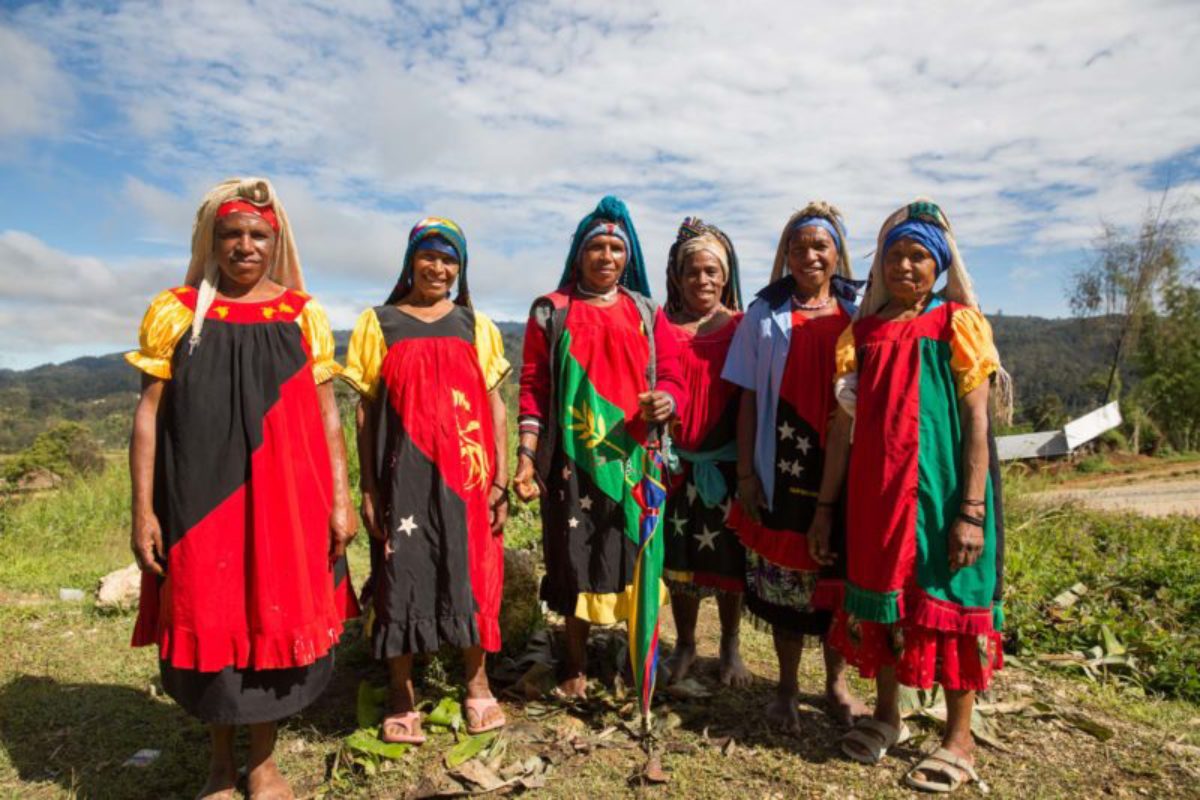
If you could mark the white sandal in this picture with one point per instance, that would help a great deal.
(869, 740)
(941, 762)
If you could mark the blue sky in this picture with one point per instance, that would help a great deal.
(1030, 122)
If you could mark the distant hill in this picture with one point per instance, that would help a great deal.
(1066, 357)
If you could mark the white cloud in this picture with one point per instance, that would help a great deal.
(35, 98)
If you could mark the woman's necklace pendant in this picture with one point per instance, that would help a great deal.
(585, 292)
(812, 306)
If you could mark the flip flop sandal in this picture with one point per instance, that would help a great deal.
(477, 711)
(405, 722)
(955, 770)
(869, 740)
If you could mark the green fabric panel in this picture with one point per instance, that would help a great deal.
(998, 617)
(594, 436)
(939, 492)
(872, 606)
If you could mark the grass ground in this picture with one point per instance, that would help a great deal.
(76, 701)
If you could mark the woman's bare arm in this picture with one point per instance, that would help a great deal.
(146, 537)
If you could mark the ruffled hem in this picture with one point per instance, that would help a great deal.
(325, 370)
(424, 635)
(214, 651)
(921, 656)
(883, 607)
(784, 548)
(489, 632)
(155, 367)
(921, 608)
(705, 580)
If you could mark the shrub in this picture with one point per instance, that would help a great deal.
(67, 449)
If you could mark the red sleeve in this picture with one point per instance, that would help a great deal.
(667, 370)
(535, 375)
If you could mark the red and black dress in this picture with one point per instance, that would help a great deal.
(435, 453)
(702, 553)
(250, 608)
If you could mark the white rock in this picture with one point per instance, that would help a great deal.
(120, 589)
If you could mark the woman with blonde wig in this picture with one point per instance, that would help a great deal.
(241, 502)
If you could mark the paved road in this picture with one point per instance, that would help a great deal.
(1155, 498)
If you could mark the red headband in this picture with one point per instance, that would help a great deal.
(244, 207)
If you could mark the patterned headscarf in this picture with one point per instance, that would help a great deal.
(447, 231)
(610, 209)
(695, 235)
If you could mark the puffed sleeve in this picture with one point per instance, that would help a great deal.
(164, 324)
(534, 399)
(973, 356)
(845, 377)
(314, 324)
(489, 344)
(741, 362)
(364, 356)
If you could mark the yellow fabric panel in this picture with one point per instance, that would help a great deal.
(973, 356)
(314, 324)
(364, 356)
(608, 609)
(490, 347)
(165, 322)
(845, 359)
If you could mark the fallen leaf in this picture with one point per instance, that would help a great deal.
(366, 740)
(439, 785)
(653, 771)
(446, 714)
(369, 705)
(1112, 646)
(1182, 750)
(688, 689)
(468, 748)
(1087, 725)
(477, 773)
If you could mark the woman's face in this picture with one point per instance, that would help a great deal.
(434, 274)
(909, 271)
(703, 282)
(602, 262)
(812, 259)
(244, 247)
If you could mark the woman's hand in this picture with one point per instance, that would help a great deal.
(751, 496)
(656, 406)
(966, 544)
(343, 525)
(371, 515)
(525, 481)
(147, 543)
(818, 537)
(498, 508)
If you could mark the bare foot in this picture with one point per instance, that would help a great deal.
(783, 714)
(733, 672)
(220, 785)
(681, 660)
(574, 688)
(265, 782)
(842, 705)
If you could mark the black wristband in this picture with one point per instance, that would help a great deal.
(967, 518)
(973, 502)
(525, 450)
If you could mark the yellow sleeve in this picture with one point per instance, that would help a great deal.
(165, 322)
(845, 359)
(314, 324)
(364, 356)
(973, 356)
(490, 347)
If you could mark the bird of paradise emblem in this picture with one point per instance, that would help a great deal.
(471, 446)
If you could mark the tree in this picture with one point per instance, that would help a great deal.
(1168, 359)
(1127, 275)
(66, 449)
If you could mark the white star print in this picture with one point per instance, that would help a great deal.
(785, 466)
(585, 503)
(796, 469)
(786, 431)
(691, 493)
(566, 473)
(678, 522)
(802, 444)
(574, 523)
(407, 526)
(725, 508)
(707, 539)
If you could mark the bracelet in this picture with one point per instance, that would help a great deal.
(824, 504)
(502, 500)
(973, 502)
(528, 452)
(967, 518)
(501, 486)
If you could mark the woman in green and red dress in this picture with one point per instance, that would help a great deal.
(432, 429)
(241, 503)
(783, 357)
(924, 526)
(703, 555)
(600, 369)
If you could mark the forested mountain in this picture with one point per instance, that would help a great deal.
(1064, 357)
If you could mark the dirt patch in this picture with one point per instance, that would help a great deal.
(1156, 497)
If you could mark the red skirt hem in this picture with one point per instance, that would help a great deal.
(785, 548)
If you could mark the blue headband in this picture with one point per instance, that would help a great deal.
(439, 245)
(820, 222)
(926, 234)
(604, 228)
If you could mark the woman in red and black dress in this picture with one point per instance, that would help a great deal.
(703, 555)
(241, 503)
(432, 430)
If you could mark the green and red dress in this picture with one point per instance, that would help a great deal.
(441, 580)
(584, 367)
(702, 552)
(903, 605)
(251, 605)
(785, 588)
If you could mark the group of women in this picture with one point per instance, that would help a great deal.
(835, 474)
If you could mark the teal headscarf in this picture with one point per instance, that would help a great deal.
(610, 209)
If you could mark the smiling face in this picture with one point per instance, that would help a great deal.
(702, 282)
(909, 272)
(434, 274)
(244, 247)
(812, 259)
(601, 262)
